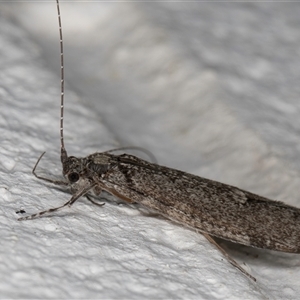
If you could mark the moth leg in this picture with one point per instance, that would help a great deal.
(94, 202)
(228, 257)
(57, 182)
(69, 203)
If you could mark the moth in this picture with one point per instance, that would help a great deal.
(209, 207)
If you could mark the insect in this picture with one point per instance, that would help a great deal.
(212, 208)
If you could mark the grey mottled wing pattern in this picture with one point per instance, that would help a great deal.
(218, 209)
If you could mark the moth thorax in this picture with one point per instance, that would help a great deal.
(100, 159)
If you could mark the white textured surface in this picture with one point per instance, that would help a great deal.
(210, 88)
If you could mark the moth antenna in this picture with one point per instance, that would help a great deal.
(63, 155)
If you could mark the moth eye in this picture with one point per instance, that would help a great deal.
(73, 177)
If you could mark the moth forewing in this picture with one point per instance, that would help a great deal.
(215, 208)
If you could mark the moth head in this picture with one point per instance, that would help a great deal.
(73, 168)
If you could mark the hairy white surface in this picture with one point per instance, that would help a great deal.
(209, 88)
